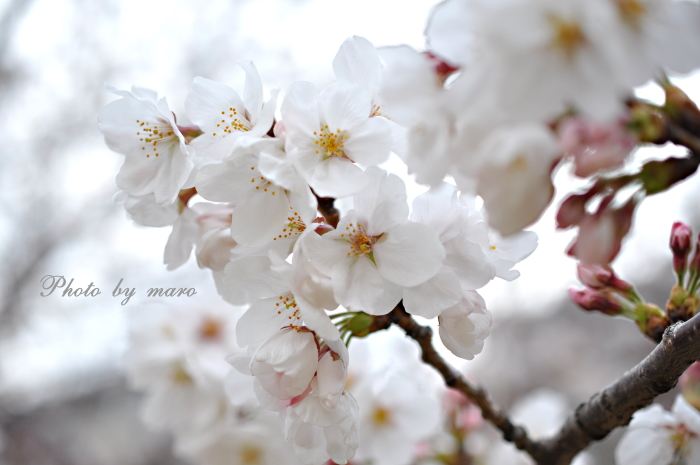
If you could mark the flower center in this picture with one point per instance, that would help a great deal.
(376, 111)
(250, 455)
(234, 122)
(381, 416)
(152, 135)
(179, 375)
(567, 36)
(631, 11)
(360, 243)
(330, 144)
(211, 329)
(679, 439)
(294, 227)
(287, 304)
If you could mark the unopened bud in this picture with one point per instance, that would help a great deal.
(681, 235)
(695, 262)
(572, 211)
(592, 299)
(599, 277)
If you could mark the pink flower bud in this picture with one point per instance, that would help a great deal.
(591, 299)
(681, 235)
(599, 277)
(572, 211)
(600, 235)
(695, 262)
(594, 146)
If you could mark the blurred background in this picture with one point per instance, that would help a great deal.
(63, 397)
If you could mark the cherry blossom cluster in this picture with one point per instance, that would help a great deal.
(506, 92)
(309, 285)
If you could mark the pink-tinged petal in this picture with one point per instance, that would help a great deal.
(358, 62)
(465, 326)
(229, 181)
(382, 204)
(336, 178)
(357, 284)
(286, 362)
(311, 411)
(369, 143)
(433, 296)
(253, 90)
(259, 322)
(300, 109)
(330, 379)
(409, 254)
(344, 105)
(258, 218)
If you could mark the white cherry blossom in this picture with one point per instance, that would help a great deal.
(394, 416)
(374, 251)
(264, 209)
(286, 362)
(465, 326)
(327, 133)
(656, 436)
(143, 129)
(223, 116)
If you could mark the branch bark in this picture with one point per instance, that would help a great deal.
(592, 420)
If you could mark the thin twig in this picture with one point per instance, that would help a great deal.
(489, 410)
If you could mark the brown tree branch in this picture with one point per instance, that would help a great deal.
(592, 420)
(489, 410)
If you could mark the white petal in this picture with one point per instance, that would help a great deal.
(369, 143)
(409, 254)
(259, 322)
(382, 204)
(253, 90)
(336, 178)
(358, 62)
(344, 105)
(433, 296)
(258, 218)
(300, 109)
